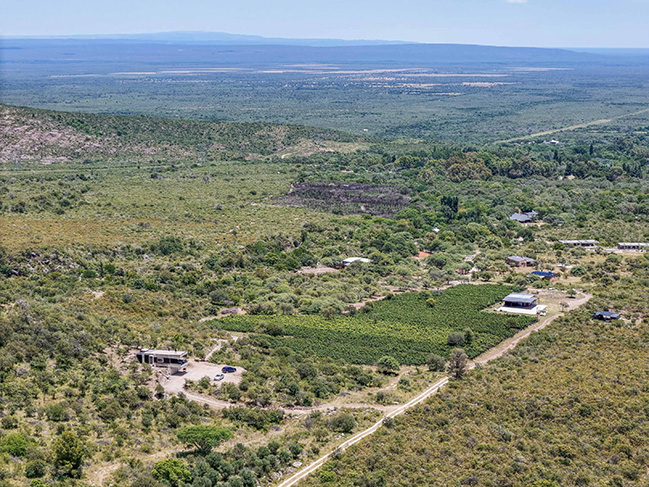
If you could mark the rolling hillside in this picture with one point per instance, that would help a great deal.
(31, 135)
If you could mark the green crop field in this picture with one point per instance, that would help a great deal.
(406, 326)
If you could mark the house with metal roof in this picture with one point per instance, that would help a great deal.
(520, 300)
(520, 261)
(523, 304)
(524, 217)
(606, 315)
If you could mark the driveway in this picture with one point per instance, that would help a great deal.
(175, 383)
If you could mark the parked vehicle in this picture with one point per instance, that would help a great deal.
(219, 377)
(228, 369)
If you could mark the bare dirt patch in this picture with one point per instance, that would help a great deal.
(175, 383)
(97, 294)
(317, 270)
(222, 313)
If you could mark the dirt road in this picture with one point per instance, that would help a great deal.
(602, 121)
(338, 403)
(359, 436)
(491, 354)
(98, 474)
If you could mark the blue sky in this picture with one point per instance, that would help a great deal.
(542, 23)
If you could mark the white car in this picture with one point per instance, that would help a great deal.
(219, 377)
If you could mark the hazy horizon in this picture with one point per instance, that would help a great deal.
(512, 23)
(247, 38)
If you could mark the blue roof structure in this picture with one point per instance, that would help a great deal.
(543, 274)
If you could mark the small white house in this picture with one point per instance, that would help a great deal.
(522, 303)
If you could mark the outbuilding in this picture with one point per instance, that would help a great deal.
(171, 359)
(520, 261)
(606, 315)
(580, 243)
(351, 260)
(637, 246)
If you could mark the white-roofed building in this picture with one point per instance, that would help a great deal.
(351, 260)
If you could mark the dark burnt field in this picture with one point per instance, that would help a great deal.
(347, 198)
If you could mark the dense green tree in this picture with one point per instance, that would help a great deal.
(456, 338)
(172, 471)
(343, 423)
(468, 336)
(14, 444)
(203, 438)
(388, 364)
(68, 452)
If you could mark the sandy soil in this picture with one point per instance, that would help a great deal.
(175, 383)
(221, 315)
(97, 294)
(317, 270)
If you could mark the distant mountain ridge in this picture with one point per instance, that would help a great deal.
(223, 47)
(219, 38)
(220, 54)
(208, 38)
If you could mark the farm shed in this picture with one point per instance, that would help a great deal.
(606, 315)
(580, 243)
(520, 261)
(171, 359)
